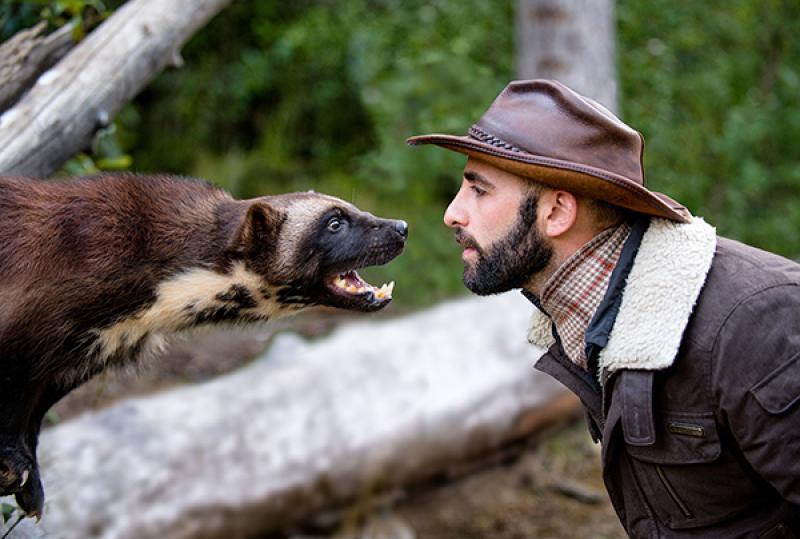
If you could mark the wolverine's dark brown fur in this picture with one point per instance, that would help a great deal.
(92, 271)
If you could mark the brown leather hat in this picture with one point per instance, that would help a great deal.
(542, 130)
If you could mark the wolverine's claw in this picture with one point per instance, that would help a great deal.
(31, 498)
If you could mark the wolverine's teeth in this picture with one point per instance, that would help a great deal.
(24, 480)
(385, 291)
(342, 282)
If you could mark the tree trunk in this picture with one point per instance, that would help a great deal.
(313, 426)
(69, 103)
(571, 41)
(26, 55)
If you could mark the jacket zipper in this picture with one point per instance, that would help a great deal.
(671, 491)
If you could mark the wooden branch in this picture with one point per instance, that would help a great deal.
(312, 427)
(59, 115)
(27, 55)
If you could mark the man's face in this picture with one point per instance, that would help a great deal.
(494, 216)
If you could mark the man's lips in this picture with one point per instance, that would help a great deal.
(468, 243)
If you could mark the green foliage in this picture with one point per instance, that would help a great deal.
(322, 95)
(107, 151)
(7, 511)
(317, 94)
(16, 15)
(715, 88)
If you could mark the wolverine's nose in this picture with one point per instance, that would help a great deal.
(402, 228)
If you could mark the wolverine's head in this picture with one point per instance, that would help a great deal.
(307, 248)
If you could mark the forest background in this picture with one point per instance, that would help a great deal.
(315, 94)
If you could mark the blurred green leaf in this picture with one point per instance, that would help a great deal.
(120, 162)
(7, 511)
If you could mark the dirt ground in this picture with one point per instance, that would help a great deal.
(551, 489)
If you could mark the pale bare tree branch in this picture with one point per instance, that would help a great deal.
(70, 102)
(26, 55)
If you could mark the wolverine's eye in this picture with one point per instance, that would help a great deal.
(335, 224)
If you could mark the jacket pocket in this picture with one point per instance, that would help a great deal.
(779, 391)
(686, 477)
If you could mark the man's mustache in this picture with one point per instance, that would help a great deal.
(466, 240)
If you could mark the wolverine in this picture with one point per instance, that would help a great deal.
(97, 272)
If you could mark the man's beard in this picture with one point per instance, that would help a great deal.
(510, 262)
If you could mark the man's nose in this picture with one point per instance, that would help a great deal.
(454, 216)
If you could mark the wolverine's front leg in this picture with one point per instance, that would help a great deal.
(22, 407)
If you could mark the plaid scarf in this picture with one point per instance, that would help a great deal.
(572, 294)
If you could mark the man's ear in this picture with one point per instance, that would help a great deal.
(559, 211)
(258, 228)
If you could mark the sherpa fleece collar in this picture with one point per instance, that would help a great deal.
(662, 288)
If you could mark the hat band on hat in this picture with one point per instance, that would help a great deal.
(479, 134)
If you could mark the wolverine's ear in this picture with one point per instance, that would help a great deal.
(258, 228)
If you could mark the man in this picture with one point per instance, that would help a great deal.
(683, 347)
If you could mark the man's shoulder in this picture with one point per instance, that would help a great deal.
(736, 258)
(741, 274)
(740, 270)
(755, 343)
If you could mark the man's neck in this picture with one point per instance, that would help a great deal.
(571, 295)
(563, 249)
(536, 283)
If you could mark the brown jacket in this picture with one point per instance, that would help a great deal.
(697, 351)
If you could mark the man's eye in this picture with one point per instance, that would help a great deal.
(477, 190)
(335, 225)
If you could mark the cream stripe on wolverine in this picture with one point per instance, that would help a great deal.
(180, 300)
(98, 271)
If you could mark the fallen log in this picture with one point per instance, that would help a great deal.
(311, 426)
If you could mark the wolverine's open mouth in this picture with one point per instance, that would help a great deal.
(374, 242)
(350, 285)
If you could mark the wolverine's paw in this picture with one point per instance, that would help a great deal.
(15, 471)
(19, 475)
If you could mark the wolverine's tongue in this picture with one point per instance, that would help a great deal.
(352, 283)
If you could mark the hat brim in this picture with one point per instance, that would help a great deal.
(579, 179)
